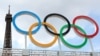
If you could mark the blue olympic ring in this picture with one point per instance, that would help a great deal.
(30, 13)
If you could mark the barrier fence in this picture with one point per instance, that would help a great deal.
(29, 52)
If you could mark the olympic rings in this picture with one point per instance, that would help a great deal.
(71, 45)
(87, 18)
(41, 44)
(29, 13)
(55, 14)
(56, 35)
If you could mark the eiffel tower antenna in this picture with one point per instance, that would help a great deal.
(9, 10)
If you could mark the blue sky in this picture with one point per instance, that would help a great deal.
(68, 8)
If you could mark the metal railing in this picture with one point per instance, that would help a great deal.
(23, 52)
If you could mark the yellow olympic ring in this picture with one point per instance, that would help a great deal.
(38, 43)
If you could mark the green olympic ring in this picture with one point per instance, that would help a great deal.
(71, 45)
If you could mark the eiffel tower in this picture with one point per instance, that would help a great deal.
(8, 39)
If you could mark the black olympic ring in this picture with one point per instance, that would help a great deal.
(55, 14)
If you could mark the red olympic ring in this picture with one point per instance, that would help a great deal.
(87, 18)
